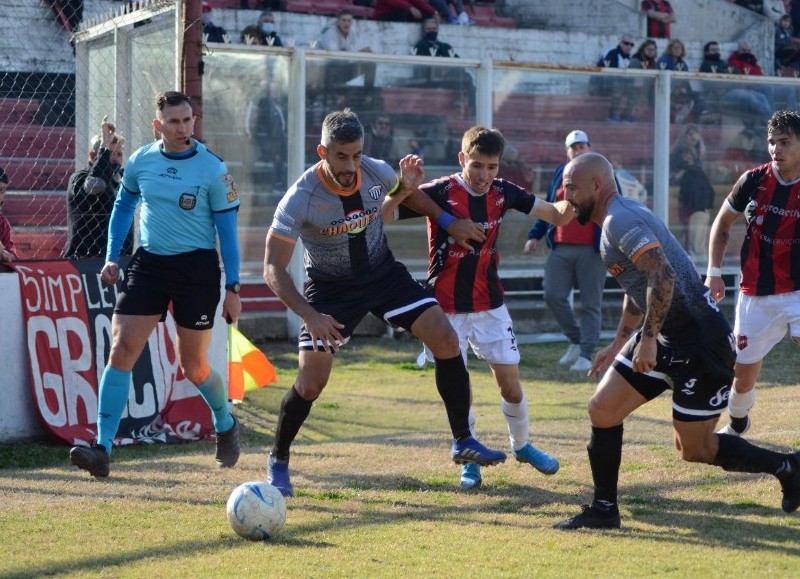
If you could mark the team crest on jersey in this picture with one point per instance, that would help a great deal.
(375, 192)
(187, 200)
(741, 342)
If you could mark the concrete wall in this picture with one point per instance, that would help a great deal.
(571, 32)
(18, 417)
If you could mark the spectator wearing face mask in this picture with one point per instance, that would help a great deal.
(429, 45)
(267, 32)
(211, 31)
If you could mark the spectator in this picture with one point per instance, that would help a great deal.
(659, 16)
(745, 62)
(712, 60)
(403, 10)
(379, 141)
(752, 106)
(695, 192)
(573, 260)
(641, 95)
(91, 193)
(620, 88)
(251, 34)
(211, 31)
(341, 36)
(266, 30)
(513, 169)
(7, 252)
(673, 57)
(686, 104)
(786, 53)
(429, 44)
(645, 57)
(620, 55)
(452, 11)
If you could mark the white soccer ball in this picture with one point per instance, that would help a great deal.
(256, 510)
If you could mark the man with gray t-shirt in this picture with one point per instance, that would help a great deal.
(337, 208)
(684, 344)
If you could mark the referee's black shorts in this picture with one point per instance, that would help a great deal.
(395, 297)
(189, 281)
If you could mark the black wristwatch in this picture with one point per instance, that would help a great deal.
(233, 287)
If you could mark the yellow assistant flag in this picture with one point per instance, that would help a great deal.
(248, 367)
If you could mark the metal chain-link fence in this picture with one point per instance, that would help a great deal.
(55, 91)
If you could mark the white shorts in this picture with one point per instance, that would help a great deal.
(762, 321)
(489, 333)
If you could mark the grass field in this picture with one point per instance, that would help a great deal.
(377, 496)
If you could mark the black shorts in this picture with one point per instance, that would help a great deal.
(699, 376)
(396, 297)
(190, 281)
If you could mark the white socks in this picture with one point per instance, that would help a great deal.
(739, 405)
(518, 422)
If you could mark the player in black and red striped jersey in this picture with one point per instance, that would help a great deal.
(769, 299)
(467, 285)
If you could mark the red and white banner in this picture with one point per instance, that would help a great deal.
(67, 310)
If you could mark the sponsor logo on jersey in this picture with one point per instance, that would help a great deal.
(172, 173)
(353, 223)
(202, 322)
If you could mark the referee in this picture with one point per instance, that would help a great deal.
(188, 199)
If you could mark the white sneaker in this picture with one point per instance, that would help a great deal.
(571, 355)
(729, 429)
(581, 365)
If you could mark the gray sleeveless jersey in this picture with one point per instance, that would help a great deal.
(630, 229)
(342, 234)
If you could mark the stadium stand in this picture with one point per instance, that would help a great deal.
(35, 203)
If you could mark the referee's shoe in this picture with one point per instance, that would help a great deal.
(228, 446)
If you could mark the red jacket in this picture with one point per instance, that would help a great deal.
(5, 235)
(745, 63)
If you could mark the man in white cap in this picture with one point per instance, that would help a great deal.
(574, 260)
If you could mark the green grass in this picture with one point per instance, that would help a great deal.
(377, 495)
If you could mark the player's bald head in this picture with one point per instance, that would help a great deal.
(591, 166)
(587, 181)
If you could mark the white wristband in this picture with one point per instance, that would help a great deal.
(714, 272)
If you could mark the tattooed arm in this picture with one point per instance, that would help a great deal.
(628, 323)
(653, 264)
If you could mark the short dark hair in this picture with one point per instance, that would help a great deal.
(785, 121)
(341, 127)
(3, 176)
(708, 45)
(483, 141)
(344, 12)
(171, 98)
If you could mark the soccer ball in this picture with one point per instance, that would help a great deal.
(256, 510)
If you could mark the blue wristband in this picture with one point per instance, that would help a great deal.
(445, 220)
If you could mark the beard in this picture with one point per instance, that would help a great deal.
(583, 214)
